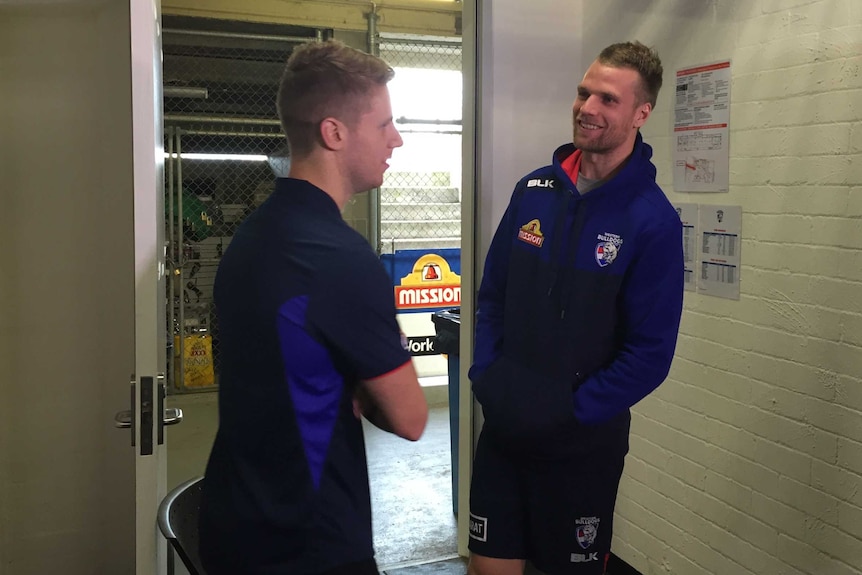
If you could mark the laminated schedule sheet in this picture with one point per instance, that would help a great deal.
(701, 158)
(688, 215)
(719, 243)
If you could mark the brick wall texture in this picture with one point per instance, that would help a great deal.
(748, 459)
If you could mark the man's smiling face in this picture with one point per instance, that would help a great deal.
(608, 109)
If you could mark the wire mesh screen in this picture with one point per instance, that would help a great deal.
(420, 200)
(224, 143)
(224, 148)
(427, 53)
(211, 194)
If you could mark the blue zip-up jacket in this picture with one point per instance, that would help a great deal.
(579, 308)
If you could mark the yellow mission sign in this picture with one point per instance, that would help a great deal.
(431, 284)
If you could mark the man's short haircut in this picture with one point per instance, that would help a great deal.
(641, 59)
(322, 80)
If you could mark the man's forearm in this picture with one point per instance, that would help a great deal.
(364, 406)
(376, 417)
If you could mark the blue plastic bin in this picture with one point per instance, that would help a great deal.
(447, 324)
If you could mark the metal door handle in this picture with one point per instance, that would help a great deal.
(123, 419)
(172, 416)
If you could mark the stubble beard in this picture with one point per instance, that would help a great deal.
(596, 146)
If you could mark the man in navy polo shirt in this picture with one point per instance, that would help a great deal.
(309, 340)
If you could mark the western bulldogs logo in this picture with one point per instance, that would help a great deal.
(586, 530)
(586, 534)
(606, 253)
(607, 249)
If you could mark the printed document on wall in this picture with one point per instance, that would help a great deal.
(720, 229)
(688, 215)
(701, 161)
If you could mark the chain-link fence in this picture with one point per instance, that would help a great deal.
(420, 201)
(222, 135)
(224, 147)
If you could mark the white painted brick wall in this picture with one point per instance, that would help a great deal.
(748, 460)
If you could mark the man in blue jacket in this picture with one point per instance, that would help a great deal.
(578, 314)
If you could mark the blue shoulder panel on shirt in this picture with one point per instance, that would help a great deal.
(315, 385)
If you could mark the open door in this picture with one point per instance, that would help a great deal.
(81, 287)
(148, 383)
(147, 415)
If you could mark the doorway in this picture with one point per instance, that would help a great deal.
(223, 150)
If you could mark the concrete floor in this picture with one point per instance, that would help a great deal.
(411, 494)
(410, 482)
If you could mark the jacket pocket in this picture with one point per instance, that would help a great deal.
(523, 407)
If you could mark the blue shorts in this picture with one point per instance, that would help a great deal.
(556, 513)
(367, 567)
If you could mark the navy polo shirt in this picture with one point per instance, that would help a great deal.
(305, 312)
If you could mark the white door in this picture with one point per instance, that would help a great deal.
(81, 286)
(150, 324)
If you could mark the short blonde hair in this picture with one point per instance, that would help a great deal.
(322, 80)
(641, 59)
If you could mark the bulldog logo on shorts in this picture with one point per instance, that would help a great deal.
(586, 529)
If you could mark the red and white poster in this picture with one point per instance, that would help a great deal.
(701, 123)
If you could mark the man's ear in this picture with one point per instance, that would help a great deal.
(333, 133)
(642, 113)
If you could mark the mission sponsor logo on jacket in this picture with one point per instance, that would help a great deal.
(531, 232)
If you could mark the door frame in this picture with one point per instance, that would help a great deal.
(150, 297)
(470, 260)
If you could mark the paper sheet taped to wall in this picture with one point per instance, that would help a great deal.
(700, 128)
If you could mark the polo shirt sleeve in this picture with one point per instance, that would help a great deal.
(352, 310)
